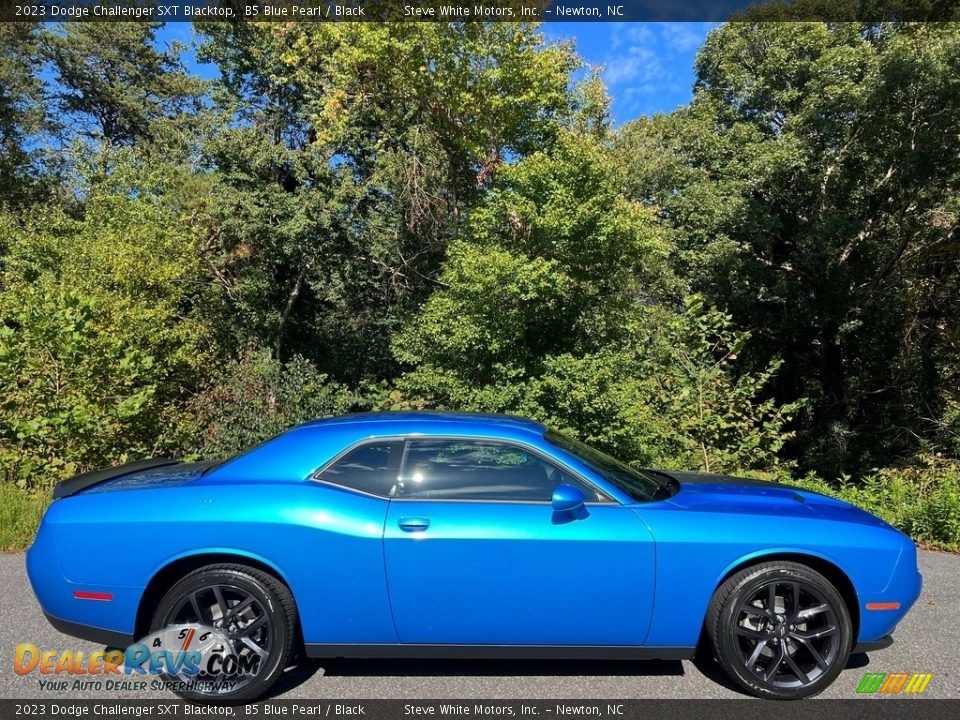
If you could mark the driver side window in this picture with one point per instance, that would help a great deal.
(480, 470)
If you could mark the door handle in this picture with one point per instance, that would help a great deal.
(414, 524)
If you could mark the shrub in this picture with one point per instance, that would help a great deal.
(98, 341)
(20, 514)
(922, 501)
(256, 398)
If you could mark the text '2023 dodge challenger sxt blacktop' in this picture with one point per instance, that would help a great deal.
(463, 536)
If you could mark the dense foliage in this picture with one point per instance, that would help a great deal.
(429, 215)
(815, 182)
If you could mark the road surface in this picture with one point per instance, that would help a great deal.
(927, 641)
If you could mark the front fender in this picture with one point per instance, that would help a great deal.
(697, 549)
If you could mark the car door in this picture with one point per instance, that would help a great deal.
(475, 553)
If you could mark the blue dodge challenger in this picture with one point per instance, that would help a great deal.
(467, 536)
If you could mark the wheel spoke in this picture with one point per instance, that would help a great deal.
(823, 632)
(772, 599)
(796, 597)
(821, 663)
(253, 646)
(246, 630)
(755, 655)
(218, 593)
(771, 672)
(810, 612)
(751, 633)
(239, 608)
(195, 604)
(755, 611)
(801, 675)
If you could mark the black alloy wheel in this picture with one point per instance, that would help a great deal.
(780, 630)
(255, 612)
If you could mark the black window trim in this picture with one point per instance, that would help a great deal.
(409, 437)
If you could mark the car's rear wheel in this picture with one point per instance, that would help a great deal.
(780, 630)
(252, 610)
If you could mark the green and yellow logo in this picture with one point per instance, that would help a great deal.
(894, 683)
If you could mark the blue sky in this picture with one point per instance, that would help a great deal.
(648, 67)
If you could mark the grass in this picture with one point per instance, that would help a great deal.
(20, 514)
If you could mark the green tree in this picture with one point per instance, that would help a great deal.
(255, 398)
(814, 181)
(560, 305)
(117, 87)
(356, 152)
(98, 343)
(672, 393)
(481, 90)
(553, 259)
(22, 112)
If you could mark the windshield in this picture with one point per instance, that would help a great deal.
(644, 486)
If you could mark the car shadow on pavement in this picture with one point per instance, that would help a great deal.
(347, 667)
(344, 667)
(857, 660)
(710, 668)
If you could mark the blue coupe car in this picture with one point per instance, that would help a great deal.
(468, 536)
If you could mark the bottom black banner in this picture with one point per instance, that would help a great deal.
(865, 709)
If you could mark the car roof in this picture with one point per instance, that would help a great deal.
(415, 417)
(300, 451)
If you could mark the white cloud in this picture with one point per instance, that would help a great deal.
(683, 37)
(639, 62)
(631, 33)
(639, 65)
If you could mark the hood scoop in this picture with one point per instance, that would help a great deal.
(701, 491)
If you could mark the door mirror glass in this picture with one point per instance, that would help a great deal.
(567, 498)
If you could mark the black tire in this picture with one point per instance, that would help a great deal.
(794, 649)
(270, 609)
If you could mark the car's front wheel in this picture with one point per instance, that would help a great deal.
(780, 630)
(239, 621)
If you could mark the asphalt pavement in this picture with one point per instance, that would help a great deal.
(927, 641)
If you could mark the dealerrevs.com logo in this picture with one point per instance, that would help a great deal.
(183, 657)
(894, 683)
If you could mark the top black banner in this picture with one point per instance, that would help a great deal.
(473, 11)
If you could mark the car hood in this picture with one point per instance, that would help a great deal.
(723, 493)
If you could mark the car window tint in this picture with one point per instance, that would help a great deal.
(480, 470)
(366, 468)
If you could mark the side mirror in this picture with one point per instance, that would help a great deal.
(567, 498)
